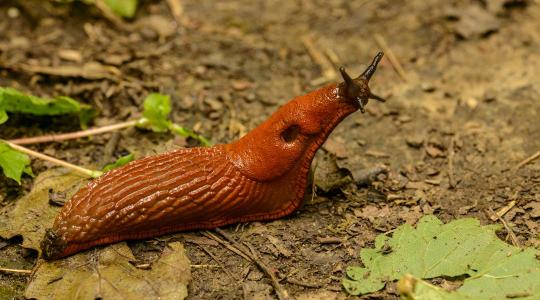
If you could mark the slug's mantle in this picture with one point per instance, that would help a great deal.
(262, 176)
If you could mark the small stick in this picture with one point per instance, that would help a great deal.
(73, 135)
(227, 245)
(511, 233)
(391, 56)
(304, 284)
(280, 291)
(204, 266)
(503, 211)
(451, 154)
(527, 160)
(219, 263)
(328, 70)
(109, 15)
(18, 271)
(177, 10)
(110, 148)
(62, 163)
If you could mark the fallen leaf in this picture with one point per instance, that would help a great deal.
(461, 247)
(109, 274)
(32, 213)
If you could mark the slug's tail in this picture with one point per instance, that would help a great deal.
(52, 246)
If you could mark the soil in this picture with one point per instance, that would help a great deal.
(460, 117)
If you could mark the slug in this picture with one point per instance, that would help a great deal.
(261, 176)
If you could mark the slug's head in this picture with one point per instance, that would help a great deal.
(52, 245)
(357, 89)
(288, 140)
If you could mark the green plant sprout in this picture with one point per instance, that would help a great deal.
(14, 159)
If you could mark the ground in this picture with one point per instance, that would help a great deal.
(462, 113)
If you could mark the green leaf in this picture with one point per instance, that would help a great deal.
(123, 8)
(12, 100)
(14, 163)
(434, 249)
(155, 117)
(119, 162)
(156, 111)
(3, 116)
(414, 289)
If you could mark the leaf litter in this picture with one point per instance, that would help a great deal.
(32, 213)
(107, 272)
(461, 247)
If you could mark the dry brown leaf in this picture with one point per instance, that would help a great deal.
(109, 274)
(32, 214)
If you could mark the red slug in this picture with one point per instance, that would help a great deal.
(262, 176)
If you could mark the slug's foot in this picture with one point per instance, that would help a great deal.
(357, 88)
(52, 245)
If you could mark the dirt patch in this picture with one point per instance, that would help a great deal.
(457, 122)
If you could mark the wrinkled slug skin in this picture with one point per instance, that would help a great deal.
(262, 176)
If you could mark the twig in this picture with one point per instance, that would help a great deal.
(280, 291)
(227, 245)
(72, 135)
(451, 154)
(62, 163)
(312, 178)
(304, 284)
(527, 160)
(391, 56)
(204, 266)
(511, 233)
(109, 15)
(18, 271)
(503, 211)
(328, 70)
(219, 263)
(177, 10)
(110, 148)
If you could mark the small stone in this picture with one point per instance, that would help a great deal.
(255, 275)
(534, 209)
(241, 85)
(471, 102)
(13, 12)
(404, 119)
(489, 95)
(414, 141)
(200, 70)
(20, 42)
(434, 151)
(428, 87)
(432, 171)
(214, 104)
(70, 55)
(250, 97)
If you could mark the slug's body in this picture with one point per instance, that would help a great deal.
(262, 176)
